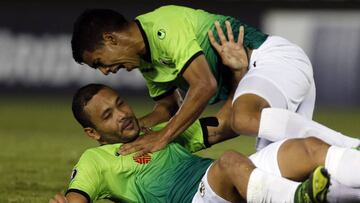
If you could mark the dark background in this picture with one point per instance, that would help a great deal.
(57, 16)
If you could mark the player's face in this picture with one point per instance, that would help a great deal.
(111, 57)
(113, 119)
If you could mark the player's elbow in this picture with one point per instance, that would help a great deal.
(213, 87)
(208, 89)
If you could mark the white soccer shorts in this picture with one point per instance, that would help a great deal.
(266, 160)
(281, 73)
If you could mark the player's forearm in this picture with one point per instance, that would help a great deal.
(154, 118)
(194, 103)
(161, 113)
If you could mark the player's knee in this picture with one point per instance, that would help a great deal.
(316, 149)
(246, 123)
(233, 161)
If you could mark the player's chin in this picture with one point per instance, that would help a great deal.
(131, 134)
(131, 138)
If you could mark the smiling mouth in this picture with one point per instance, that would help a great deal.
(128, 124)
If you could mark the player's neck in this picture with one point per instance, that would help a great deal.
(138, 40)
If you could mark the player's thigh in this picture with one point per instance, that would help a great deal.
(297, 158)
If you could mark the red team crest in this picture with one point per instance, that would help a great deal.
(144, 159)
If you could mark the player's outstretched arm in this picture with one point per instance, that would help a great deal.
(71, 197)
(163, 110)
(233, 54)
(202, 86)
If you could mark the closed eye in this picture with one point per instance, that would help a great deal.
(119, 102)
(107, 114)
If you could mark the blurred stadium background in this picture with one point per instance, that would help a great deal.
(40, 141)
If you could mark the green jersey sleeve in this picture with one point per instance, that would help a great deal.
(173, 46)
(172, 43)
(86, 178)
(193, 139)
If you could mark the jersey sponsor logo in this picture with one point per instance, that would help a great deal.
(144, 159)
(202, 189)
(161, 34)
(73, 174)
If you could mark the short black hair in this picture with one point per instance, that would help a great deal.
(89, 27)
(80, 100)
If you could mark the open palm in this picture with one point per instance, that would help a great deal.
(232, 53)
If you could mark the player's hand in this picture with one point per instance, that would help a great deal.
(232, 53)
(150, 142)
(58, 198)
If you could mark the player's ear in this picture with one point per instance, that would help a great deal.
(109, 37)
(92, 133)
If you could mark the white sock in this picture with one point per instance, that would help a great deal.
(344, 165)
(278, 124)
(339, 193)
(264, 187)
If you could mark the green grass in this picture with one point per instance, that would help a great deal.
(40, 143)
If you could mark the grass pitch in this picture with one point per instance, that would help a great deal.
(40, 143)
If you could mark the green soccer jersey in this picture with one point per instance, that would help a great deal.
(169, 175)
(176, 35)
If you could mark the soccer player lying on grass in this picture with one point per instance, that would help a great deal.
(172, 174)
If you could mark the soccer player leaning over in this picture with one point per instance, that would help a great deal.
(172, 174)
(171, 49)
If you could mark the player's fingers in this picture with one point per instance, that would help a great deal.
(130, 148)
(124, 150)
(229, 31)
(241, 36)
(124, 147)
(60, 198)
(141, 153)
(220, 32)
(213, 41)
